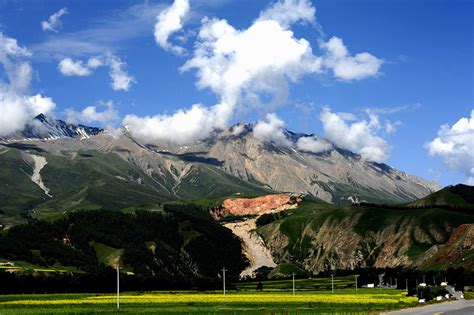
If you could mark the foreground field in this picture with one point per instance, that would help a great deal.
(342, 301)
(310, 284)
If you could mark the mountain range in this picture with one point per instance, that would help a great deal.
(330, 210)
(54, 167)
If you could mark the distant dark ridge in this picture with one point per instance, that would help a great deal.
(465, 191)
(435, 200)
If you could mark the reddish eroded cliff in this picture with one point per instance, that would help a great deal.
(459, 249)
(255, 206)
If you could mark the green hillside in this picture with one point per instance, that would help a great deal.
(460, 197)
(317, 237)
(88, 180)
(18, 194)
(182, 241)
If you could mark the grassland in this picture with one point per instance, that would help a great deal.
(307, 284)
(283, 302)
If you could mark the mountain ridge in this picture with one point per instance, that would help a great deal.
(78, 168)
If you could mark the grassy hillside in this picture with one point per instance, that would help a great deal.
(92, 180)
(18, 194)
(319, 237)
(458, 197)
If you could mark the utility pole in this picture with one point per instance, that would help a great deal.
(293, 283)
(424, 279)
(396, 283)
(223, 278)
(118, 286)
(406, 284)
(356, 276)
(380, 280)
(332, 282)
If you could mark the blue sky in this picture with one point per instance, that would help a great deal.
(424, 80)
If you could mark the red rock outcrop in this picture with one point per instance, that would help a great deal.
(255, 206)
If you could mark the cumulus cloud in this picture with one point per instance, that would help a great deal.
(263, 58)
(288, 12)
(237, 129)
(271, 130)
(345, 66)
(246, 67)
(92, 114)
(121, 79)
(184, 127)
(312, 144)
(17, 108)
(455, 146)
(170, 21)
(69, 67)
(40, 104)
(53, 23)
(359, 136)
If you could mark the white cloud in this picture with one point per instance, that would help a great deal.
(271, 130)
(347, 67)
(455, 145)
(17, 108)
(169, 21)
(54, 23)
(121, 79)
(41, 105)
(312, 144)
(114, 29)
(245, 67)
(287, 12)
(9, 48)
(239, 65)
(357, 136)
(237, 129)
(91, 114)
(69, 67)
(183, 127)
(14, 112)
(94, 63)
(391, 127)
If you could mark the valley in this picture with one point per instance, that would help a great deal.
(82, 204)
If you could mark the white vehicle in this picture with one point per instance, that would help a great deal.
(422, 301)
(370, 285)
(443, 284)
(439, 298)
(422, 284)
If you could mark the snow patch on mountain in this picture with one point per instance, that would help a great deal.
(45, 128)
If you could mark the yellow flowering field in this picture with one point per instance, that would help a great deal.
(208, 303)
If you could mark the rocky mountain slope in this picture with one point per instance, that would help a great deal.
(323, 237)
(245, 212)
(53, 167)
(45, 128)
